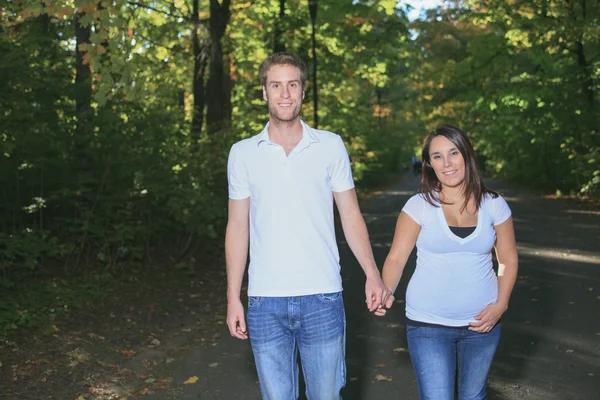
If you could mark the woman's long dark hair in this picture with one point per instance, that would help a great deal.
(473, 183)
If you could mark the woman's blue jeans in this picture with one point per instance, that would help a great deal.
(443, 357)
(315, 326)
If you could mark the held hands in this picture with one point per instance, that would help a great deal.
(488, 318)
(235, 319)
(376, 292)
(381, 311)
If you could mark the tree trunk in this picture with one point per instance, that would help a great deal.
(83, 80)
(278, 43)
(216, 106)
(200, 61)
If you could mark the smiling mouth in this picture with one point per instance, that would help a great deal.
(449, 172)
(285, 105)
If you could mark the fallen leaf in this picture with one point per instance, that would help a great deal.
(590, 289)
(570, 351)
(191, 380)
(400, 350)
(213, 365)
(590, 374)
(94, 336)
(353, 379)
(163, 383)
(128, 353)
(380, 377)
(150, 380)
(393, 325)
(169, 360)
(381, 365)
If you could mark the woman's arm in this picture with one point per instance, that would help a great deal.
(405, 237)
(508, 261)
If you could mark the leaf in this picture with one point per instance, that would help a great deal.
(213, 365)
(128, 353)
(380, 377)
(191, 380)
(94, 336)
(400, 350)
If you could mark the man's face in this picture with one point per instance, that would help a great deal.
(283, 92)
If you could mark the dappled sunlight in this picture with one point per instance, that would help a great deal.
(560, 254)
(512, 199)
(583, 212)
(395, 193)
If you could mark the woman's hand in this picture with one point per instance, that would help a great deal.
(389, 301)
(488, 318)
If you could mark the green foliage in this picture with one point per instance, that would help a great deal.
(522, 78)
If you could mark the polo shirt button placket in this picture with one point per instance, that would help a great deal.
(286, 170)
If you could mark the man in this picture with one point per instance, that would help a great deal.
(282, 184)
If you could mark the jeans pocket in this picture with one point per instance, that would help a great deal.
(410, 328)
(254, 301)
(328, 298)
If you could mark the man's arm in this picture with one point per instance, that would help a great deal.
(355, 231)
(236, 255)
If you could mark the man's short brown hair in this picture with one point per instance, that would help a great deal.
(282, 58)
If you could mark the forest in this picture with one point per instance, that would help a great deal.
(117, 116)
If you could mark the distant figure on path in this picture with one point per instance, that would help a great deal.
(416, 165)
(454, 300)
(282, 185)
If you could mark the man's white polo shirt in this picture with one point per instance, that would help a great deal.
(293, 251)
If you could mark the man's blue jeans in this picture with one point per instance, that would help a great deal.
(443, 356)
(315, 325)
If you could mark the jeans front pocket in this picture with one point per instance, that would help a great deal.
(328, 298)
(254, 301)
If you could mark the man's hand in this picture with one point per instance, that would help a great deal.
(488, 318)
(376, 292)
(235, 319)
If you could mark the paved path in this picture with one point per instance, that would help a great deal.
(550, 347)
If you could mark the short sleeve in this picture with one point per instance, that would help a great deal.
(415, 207)
(341, 172)
(237, 175)
(500, 210)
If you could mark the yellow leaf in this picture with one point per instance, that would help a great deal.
(128, 353)
(400, 350)
(380, 377)
(191, 380)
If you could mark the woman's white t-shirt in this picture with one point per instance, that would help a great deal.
(454, 279)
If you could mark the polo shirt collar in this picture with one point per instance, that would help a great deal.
(309, 135)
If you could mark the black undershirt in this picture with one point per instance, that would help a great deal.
(462, 231)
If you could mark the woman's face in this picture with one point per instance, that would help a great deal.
(447, 162)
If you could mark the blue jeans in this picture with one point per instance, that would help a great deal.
(442, 356)
(315, 326)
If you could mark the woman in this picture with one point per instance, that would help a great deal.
(454, 299)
